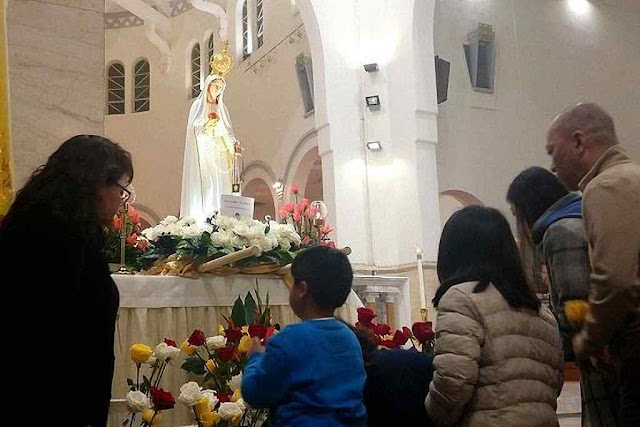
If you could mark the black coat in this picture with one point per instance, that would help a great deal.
(397, 385)
(63, 307)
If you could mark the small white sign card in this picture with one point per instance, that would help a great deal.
(237, 206)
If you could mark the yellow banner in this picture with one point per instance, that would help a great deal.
(6, 192)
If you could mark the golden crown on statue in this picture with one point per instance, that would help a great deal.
(221, 62)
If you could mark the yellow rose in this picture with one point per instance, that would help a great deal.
(576, 311)
(202, 407)
(140, 353)
(245, 343)
(148, 415)
(211, 366)
(188, 349)
(245, 330)
(220, 330)
(210, 419)
(237, 395)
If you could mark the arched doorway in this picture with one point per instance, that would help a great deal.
(308, 175)
(263, 200)
(452, 201)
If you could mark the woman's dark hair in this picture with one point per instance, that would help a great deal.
(66, 187)
(532, 192)
(477, 245)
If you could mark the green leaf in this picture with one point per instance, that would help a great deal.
(237, 313)
(194, 365)
(258, 296)
(129, 382)
(250, 309)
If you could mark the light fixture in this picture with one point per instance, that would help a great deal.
(371, 68)
(374, 146)
(373, 102)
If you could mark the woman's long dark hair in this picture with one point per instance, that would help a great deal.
(531, 193)
(477, 246)
(66, 187)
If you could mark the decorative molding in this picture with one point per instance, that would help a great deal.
(260, 165)
(313, 133)
(115, 20)
(263, 62)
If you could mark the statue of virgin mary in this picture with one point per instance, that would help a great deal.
(208, 169)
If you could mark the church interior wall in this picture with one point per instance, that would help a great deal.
(549, 56)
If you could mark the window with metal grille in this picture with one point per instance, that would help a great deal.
(246, 32)
(210, 49)
(141, 86)
(260, 23)
(115, 89)
(195, 70)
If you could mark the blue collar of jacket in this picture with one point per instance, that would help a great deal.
(570, 206)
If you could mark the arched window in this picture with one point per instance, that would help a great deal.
(195, 70)
(259, 23)
(210, 49)
(141, 86)
(246, 31)
(115, 88)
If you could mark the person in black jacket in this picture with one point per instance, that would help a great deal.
(397, 384)
(63, 324)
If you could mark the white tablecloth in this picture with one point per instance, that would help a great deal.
(154, 307)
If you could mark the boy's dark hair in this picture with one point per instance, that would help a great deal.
(328, 274)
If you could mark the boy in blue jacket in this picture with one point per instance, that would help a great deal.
(311, 373)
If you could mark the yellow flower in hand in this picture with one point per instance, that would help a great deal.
(576, 311)
(140, 353)
(245, 343)
(148, 415)
(211, 366)
(188, 349)
(210, 419)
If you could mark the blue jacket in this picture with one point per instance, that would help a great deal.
(311, 374)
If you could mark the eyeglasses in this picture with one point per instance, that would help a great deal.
(125, 194)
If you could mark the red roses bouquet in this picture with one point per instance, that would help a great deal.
(421, 334)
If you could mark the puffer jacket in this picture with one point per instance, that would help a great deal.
(494, 365)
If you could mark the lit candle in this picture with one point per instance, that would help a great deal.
(423, 299)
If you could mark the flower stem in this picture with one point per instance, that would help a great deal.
(137, 376)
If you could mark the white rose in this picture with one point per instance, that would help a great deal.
(210, 395)
(147, 233)
(190, 393)
(191, 231)
(241, 404)
(214, 343)
(152, 361)
(166, 352)
(137, 401)
(229, 410)
(236, 382)
(205, 228)
(186, 221)
(226, 223)
(220, 239)
(169, 220)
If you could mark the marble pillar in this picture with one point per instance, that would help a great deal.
(56, 76)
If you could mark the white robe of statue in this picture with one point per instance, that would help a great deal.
(208, 155)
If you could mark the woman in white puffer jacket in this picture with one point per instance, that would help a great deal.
(499, 359)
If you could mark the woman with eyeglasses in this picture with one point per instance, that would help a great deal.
(52, 242)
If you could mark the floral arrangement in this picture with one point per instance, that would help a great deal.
(185, 242)
(134, 247)
(219, 361)
(146, 398)
(300, 215)
(421, 334)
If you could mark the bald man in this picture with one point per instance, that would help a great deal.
(585, 155)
